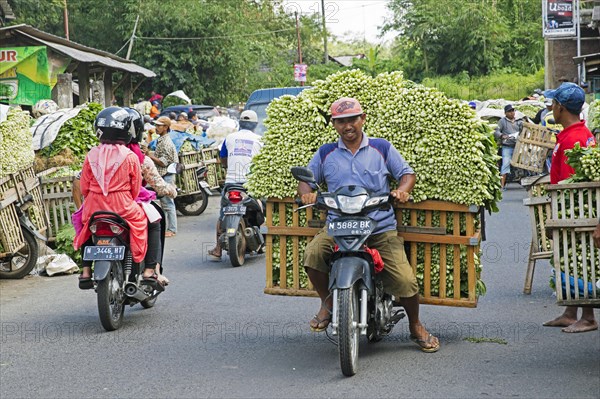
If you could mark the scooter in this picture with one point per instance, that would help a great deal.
(18, 264)
(243, 216)
(360, 306)
(117, 279)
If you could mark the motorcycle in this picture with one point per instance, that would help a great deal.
(195, 202)
(243, 216)
(18, 264)
(117, 279)
(360, 306)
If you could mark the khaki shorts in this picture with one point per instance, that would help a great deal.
(397, 276)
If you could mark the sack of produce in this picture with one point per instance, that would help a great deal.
(16, 152)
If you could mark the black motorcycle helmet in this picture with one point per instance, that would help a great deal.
(137, 125)
(112, 126)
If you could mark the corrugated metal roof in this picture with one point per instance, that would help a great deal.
(78, 51)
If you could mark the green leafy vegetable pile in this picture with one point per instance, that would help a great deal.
(76, 134)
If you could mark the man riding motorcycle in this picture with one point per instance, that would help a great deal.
(236, 155)
(359, 160)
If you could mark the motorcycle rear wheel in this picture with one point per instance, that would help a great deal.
(21, 263)
(111, 299)
(348, 331)
(236, 247)
(195, 207)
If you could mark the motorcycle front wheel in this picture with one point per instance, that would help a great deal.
(23, 261)
(236, 247)
(348, 331)
(194, 206)
(111, 299)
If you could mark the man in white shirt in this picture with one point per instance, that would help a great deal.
(236, 154)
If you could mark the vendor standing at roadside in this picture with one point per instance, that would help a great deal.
(567, 102)
(507, 131)
(165, 154)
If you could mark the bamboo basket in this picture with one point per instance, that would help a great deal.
(533, 146)
(574, 217)
(424, 228)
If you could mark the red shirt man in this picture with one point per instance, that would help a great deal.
(566, 140)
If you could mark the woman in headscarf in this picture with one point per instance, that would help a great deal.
(111, 180)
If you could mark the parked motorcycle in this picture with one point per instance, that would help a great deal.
(194, 203)
(360, 306)
(117, 279)
(18, 264)
(243, 216)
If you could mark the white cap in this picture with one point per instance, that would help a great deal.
(249, 115)
(548, 102)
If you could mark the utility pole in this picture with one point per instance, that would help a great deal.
(299, 45)
(324, 31)
(66, 19)
(132, 37)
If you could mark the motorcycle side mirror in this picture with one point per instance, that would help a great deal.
(303, 174)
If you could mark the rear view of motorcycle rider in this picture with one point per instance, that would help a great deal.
(236, 154)
(111, 180)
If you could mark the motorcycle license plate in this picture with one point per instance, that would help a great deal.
(234, 210)
(104, 253)
(350, 227)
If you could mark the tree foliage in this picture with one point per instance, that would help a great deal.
(475, 36)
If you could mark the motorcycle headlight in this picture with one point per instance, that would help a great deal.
(351, 204)
(330, 202)
(375, 201)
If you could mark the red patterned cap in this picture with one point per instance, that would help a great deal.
(345, 107)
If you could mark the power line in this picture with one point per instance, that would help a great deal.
(214, 37)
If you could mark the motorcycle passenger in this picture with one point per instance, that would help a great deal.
(111, 181)
(356, 159)
(236, 155)
(152, 178)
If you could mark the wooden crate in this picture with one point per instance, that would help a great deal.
(538, 202)
(14, 188)
(57, 193)
(424, 227)
(533, 146)
(187, 180)
(574, 217)
(11, 236)
(215, 173)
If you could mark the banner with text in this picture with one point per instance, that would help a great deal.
(558, 18)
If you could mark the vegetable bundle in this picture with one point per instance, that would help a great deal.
(16, 151)
(585, 161)
(451, 151)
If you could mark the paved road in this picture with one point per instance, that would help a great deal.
(213, 333)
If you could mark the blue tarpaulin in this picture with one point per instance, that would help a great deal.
(179, 138)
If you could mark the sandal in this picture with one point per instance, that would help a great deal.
(326, 320)
(86, 283)
(213, 255)
(154, 282)
(170, 234)
(426, 344)
(163, 280)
